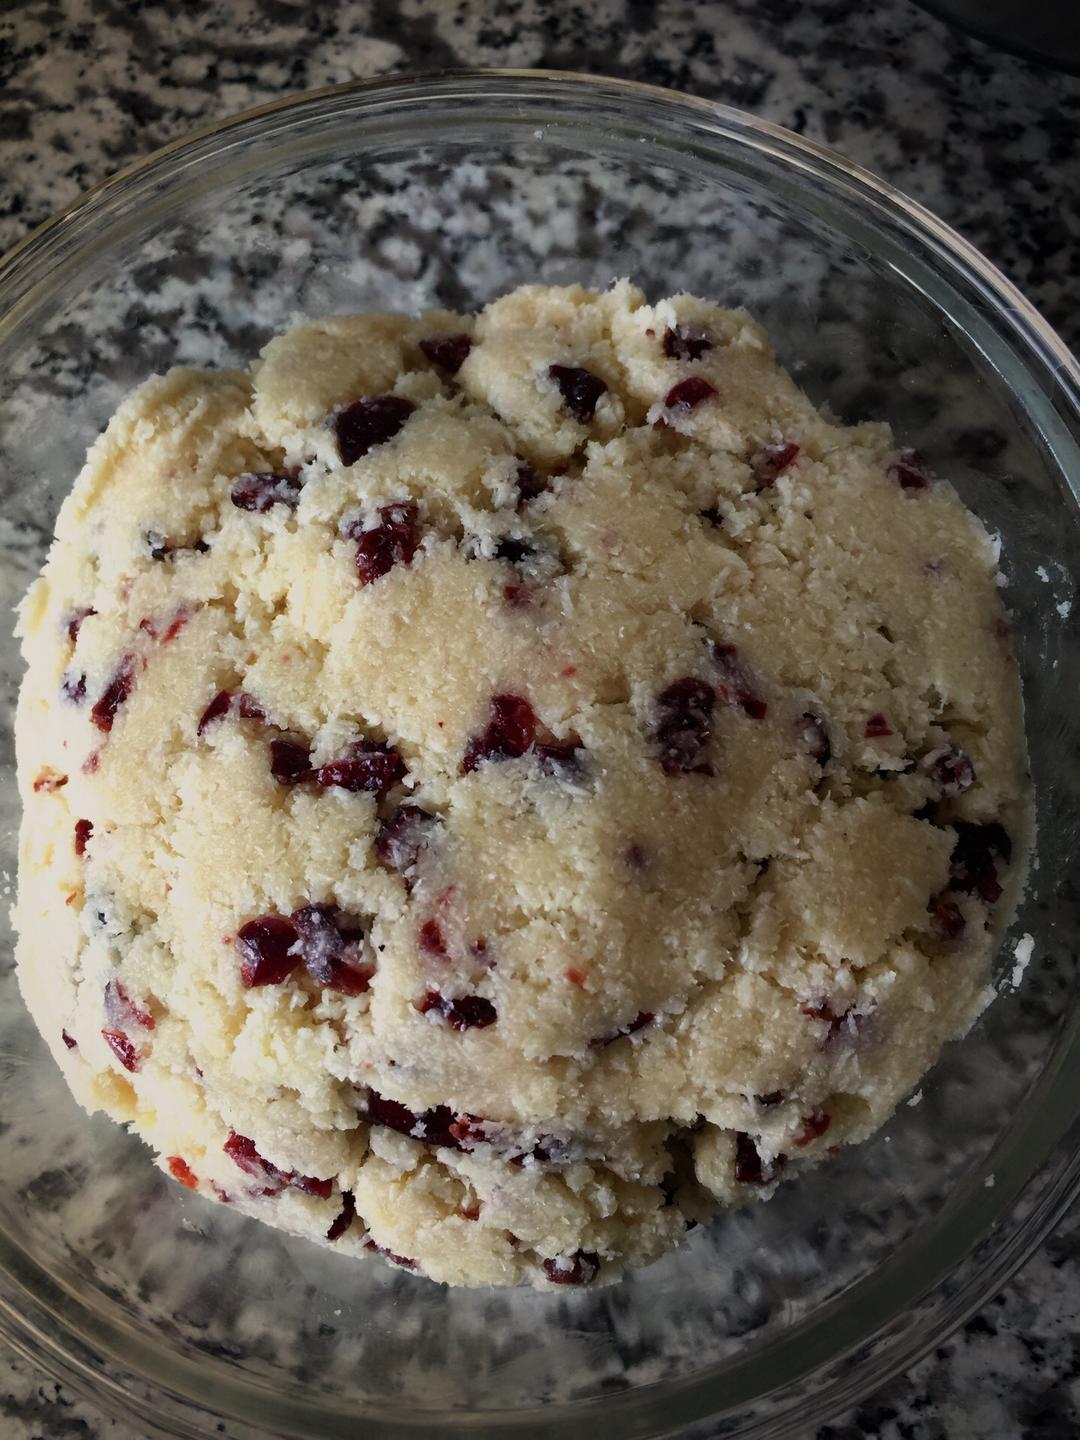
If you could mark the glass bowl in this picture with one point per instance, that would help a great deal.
(402, 194)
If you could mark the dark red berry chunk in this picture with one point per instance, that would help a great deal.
(269, 950)
(290, 761)
(330, 947)
(771, 462)
(469, 1131)
(219, 707)
(68, 1040)
(581, 1268)
(811, 1127)
(815, 738)
(910, 470)
(392, 541)
(369, 422)
(688, 394)
(449, 352)
(75, 620)
(640, 1020)
(431, 938)
(849, 1020)
(369, 765)
(83, 831)
(434, 1126)
(684, 726)
(974, 860)
(561, 759)
(123, 1049)
(73, 687)
(116, 692)
(951, 769)
(180, 1170)
(122, 1011)
(686, 342)
(49, 780)
(509, 733)
(529, 483)
(261, 492)
(402, 1260)
(750, 1168)
(735, 685)
(345, 1218)
(772, 1097)
(466, 1012)
(580, 390)
(243, 1153)
(404, 838)
(877, 727)
(948, 917)
(321, 1189)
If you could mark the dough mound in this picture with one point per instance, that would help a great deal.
(495, 786)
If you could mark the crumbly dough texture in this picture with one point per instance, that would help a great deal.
(672, 952)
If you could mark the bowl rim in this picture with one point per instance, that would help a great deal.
(29, 262)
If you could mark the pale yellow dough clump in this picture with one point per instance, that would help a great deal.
(692, 974)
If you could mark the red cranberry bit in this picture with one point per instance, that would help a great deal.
(404, 838)
(290, 761)
(330, 948)
(68, 1040)
(688, 394)
(581, 1268)
(401, 1260)
(219, 707)
(321, 1189)
(390, 1113)
(467, 1012)
(773, 461)
(811, 1127)
(123, 1049)
(562, 759)
(948, 917)
(529, 483)
(974, 860)
(249, 709)
(684, 726)
(49, 780)
(449, 352)
(431, 938)
(180, 1170)
(772, 1097)
(73, 687)
(815, 738)
(577, 977)
(268, 950)
(116, 692)
(750, 1168)
(910, 470)
(951, 769)
(468, 1131)
(369, 765)
(122, 1011)
(243, 1153)
(435, 1125)
(369, 422)
(75, 620)
(509, 733)
(640, 1020)
(736, 687)
(393, 541)
(83, 831)
(260, 492)
(686, 342)
(848, 1020)
(580, 390)
(345, 1218)
(877, 727)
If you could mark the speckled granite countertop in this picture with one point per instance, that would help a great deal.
(991, 143)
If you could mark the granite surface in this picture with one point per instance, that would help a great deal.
(991, 143)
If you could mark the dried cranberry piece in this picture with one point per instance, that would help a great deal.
(290, 761)
(910, 470)
(431, 938)
(404, 838)
(948, 917)
(466, 1012)
(401, 1260)
(735, 685)
(561, 759)
(321, 1189)
(248, 708)
(688, 394)
(435, 1124)
(772, 461)
(392, 541)
(123, 1049)
(686, 342)
(369, 765)
(640, 1020)
(811, 1127)
(390, 1113)
(468, 1131)
(684, 726)
(973, 863)
(772, 1097)
(581, 1268)
(361, 426)
(49, 780)
(241, 1150)
(329, 947)
(449, 352)
(122, 1011)
(530, 484)
(180, 1170)
(71, 1043)
(83, 831)
(580, 390)
(116, 692)
(750, 1168)
(877, 726)
(848, 1020)
(260, 492)
(345, 1218)
(219, 706)
(74, 621)
(951, 768)
(815, 738)
(508, 734)
(73, 687)
(269, 952)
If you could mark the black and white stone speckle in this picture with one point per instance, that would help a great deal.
(989, 142)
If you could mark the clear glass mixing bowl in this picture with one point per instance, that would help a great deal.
(408, 193)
